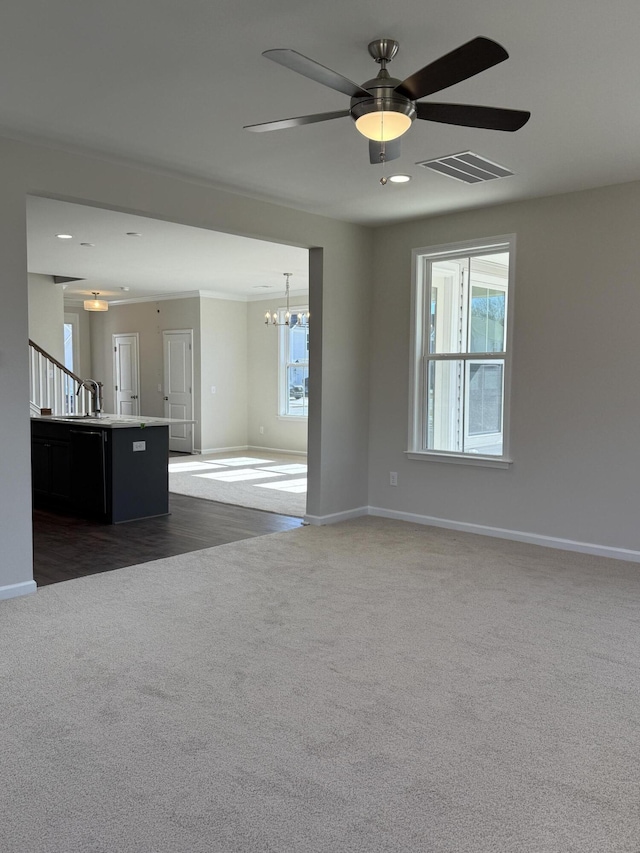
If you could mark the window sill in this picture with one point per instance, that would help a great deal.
(460, 458)
(292, 417)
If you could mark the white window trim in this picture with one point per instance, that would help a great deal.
(74, 321)
(283, 363)
(416, 403)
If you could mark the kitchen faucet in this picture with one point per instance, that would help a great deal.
(96, 394)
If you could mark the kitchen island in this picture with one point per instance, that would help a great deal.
(112, 468)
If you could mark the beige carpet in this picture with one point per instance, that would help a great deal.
(371, 687)
(267, 481)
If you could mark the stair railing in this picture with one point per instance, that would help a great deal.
(53, 386)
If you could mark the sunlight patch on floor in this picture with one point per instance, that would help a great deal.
(293, 468)
(192, 466)
(237, 476)
(242, 461)
(294, 486)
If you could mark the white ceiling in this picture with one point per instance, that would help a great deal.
(165, 259)
(171, 84)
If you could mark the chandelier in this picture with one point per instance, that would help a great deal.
(299, 318)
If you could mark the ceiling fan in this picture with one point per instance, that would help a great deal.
(384, 108)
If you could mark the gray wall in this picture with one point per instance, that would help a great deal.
(234, 352)
(575, 407)
(46, 314)
(224, 367)
(149, 319)
(340, 285)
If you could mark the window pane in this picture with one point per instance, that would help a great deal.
(444, 382)
(68, 346)
(459, 392)
(489, 278)
(485, 407)
(297, 390)
(447, 321)
(487, 320)
(298, 341)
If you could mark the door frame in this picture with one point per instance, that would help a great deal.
(189, 332)
(114, 373)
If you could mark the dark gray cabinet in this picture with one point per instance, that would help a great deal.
(51, 468)
(88, 470)
(113, 475)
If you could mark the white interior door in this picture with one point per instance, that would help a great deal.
(126, 373)
(178, 397)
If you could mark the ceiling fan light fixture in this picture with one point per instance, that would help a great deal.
(383, 125)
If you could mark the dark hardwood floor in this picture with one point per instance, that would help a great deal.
(66, 547)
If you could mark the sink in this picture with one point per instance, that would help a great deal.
(104, 420)
(79, 418)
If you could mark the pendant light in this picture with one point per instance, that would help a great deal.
(95, 304)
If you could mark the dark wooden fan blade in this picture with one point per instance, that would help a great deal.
(465, 61)
(382, 152)
(281, 124)
(469, 115)
(314, 71)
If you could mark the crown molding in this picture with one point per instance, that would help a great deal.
(190, 294)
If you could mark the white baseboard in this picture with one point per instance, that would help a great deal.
(335, 517)
(277, 450)
(16, 589)
(515, 535)
(253, 447)
(205, 450)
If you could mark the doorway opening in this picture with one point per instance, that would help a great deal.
(214, 290)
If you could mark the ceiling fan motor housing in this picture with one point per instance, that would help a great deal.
(383, 98)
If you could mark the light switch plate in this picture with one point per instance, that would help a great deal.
(139, 445)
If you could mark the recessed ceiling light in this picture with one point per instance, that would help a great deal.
(399, 179)
(133, 234)
(64, 236)
(87, 244)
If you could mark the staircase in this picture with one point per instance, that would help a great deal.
(52, 386)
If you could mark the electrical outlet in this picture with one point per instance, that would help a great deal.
(139, 445)
(261, 430)
(393, 478)
(213, 389)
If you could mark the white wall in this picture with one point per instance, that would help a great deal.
(279, 433)
(46, 314)
(575, 407)
(340, 283)
(224, 367)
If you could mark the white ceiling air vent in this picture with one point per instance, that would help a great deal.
(467, 167)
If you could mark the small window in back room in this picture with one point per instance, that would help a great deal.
(294, 363)
(68, 346)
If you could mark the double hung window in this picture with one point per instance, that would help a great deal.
(461, 334)
(294, 364)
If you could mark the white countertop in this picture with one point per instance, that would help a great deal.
(108, 421)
